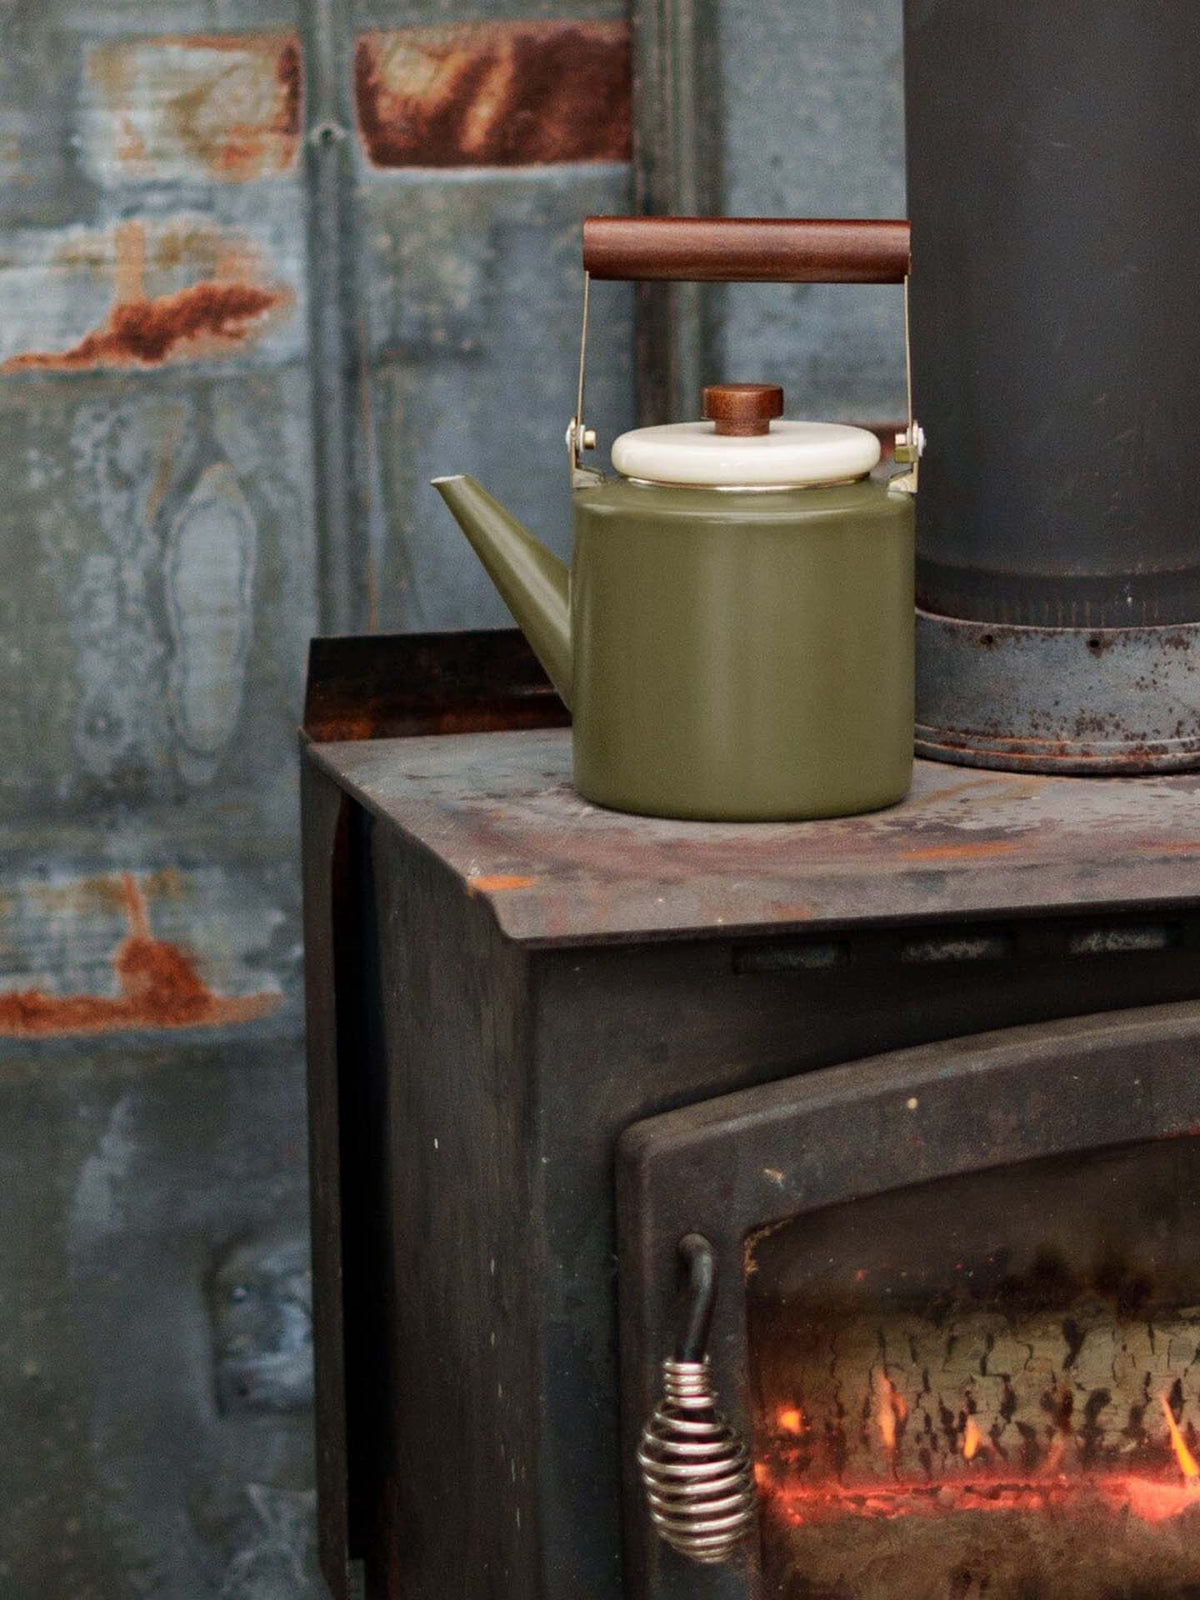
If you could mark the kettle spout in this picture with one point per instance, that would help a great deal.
(534, 584)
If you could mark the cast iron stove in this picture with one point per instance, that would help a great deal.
(919, 1089)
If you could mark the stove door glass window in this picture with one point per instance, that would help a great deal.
(985, 1385)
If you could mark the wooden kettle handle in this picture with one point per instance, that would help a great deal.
(746, 250)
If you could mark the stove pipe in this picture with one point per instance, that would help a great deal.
(1054, 192)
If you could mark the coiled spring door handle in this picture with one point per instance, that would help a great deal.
(695, 1467)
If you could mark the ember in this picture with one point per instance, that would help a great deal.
(1150, 1499)
(1006, 1539)
(1060, 1484)
(829, 1535)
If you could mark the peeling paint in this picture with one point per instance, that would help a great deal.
(123, 459)
(262, 1327)
(96, 1202)
(275, 1561)
(205, 319)
(177, 107)
(211, 553)
(503, 94)
(158, 986)
(118, 456)
(124, 701)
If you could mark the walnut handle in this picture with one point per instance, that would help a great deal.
(746, 250)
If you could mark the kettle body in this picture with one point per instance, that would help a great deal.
(742, 654)
(734, 636)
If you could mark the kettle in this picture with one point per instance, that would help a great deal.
(734, 637)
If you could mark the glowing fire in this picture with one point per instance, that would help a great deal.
(990, 1486)
(892, 1411)
(1187, 1461)
(1055, 1454)
(1151, 1501)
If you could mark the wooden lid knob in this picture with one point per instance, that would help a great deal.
(741, 410)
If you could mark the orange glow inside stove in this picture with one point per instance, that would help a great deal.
(986, 1387)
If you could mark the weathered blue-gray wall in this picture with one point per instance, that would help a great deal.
(157, 534)
(187, 494)
(813, 126)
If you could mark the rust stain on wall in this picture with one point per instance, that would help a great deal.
(226, 105)
(158, 986)
(494, 94)
(209, 318)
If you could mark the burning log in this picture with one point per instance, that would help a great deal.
(897, 1399)
(1006, 1456)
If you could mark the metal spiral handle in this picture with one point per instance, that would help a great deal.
(695, 1468)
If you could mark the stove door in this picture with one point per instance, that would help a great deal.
(957, 1320)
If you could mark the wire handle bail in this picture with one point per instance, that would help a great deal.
(744, 250)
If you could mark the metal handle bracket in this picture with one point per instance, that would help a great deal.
(910, 445)
(579, 436)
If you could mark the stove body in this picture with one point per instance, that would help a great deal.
(925, 1080)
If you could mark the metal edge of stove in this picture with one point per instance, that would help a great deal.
(404, 685)
(362, 687)
(1074, 701)
(325, 811)
(1072, 1081)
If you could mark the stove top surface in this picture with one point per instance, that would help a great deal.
(499, 810)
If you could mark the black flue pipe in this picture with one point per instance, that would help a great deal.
(1054, 193)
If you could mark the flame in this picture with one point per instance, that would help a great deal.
(1054, 1456)
(971, 1439)
(887, 1426)
(1187, 1461)
(790, 1419)
(892, 1410)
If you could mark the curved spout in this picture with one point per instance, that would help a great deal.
(534, 584)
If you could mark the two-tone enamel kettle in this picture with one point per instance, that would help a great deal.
(734, 637)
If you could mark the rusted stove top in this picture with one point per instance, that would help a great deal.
(498, 810)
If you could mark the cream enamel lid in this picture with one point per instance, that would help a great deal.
(800, 453)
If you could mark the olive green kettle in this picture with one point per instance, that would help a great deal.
(734, 637)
